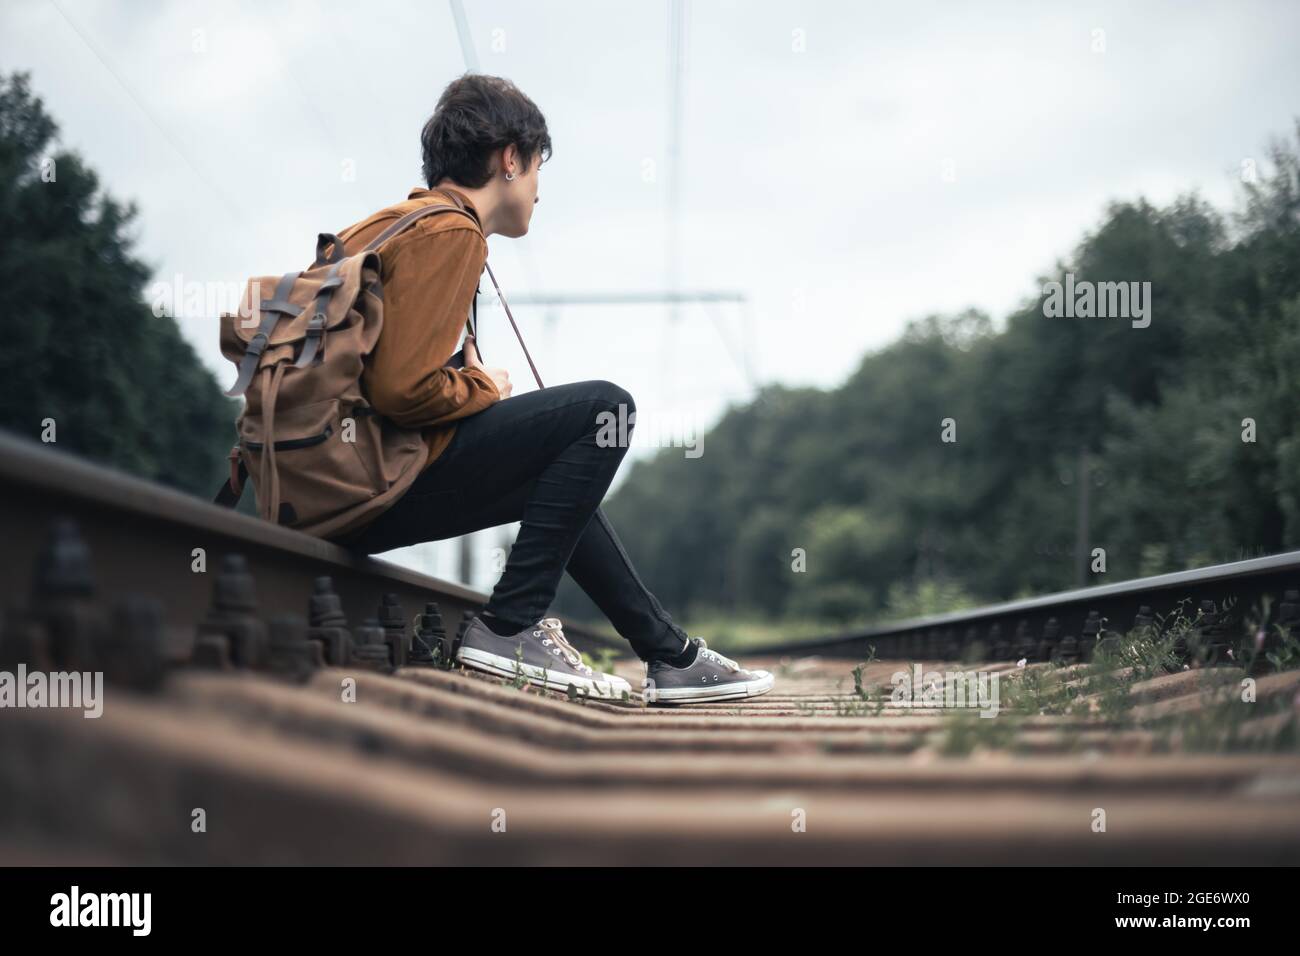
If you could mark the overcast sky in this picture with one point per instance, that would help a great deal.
(846, 166)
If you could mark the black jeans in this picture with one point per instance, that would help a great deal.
(535, 458)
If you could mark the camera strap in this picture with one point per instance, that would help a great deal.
(506, 306)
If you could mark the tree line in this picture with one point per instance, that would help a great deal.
(1080, 450)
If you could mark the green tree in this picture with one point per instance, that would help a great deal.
(894, 520)
(82, 347)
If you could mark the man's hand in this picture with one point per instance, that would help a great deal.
(500, 377)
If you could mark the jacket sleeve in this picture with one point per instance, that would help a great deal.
(430, 278)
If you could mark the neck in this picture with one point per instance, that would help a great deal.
(487, 203)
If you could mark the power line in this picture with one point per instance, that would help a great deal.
(231, 205)
(464, 36)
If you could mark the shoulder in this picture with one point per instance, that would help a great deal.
(455, 227)
(439, 249)
(446, 238)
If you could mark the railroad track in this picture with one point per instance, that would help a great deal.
(256, 713)
(1069, 624)
(144, 543)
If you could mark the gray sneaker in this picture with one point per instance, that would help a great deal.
(541, 654)
(710, 677)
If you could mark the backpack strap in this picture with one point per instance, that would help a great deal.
(229, 494)
(271, 309)
(270, 473)
(316, 326)
(324, 240)
(328, 240)
(411, 218)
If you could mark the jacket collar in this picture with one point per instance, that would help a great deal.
(418, 193)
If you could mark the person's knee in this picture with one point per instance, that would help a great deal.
(614, 395)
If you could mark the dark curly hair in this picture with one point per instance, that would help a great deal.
(476, 115)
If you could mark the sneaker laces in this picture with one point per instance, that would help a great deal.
(715, 656)
(553, 629)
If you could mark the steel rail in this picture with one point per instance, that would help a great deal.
(146, 539)
(1222, 594)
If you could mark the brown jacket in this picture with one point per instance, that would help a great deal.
(430, 273)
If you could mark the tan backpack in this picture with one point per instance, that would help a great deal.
(321, 460)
